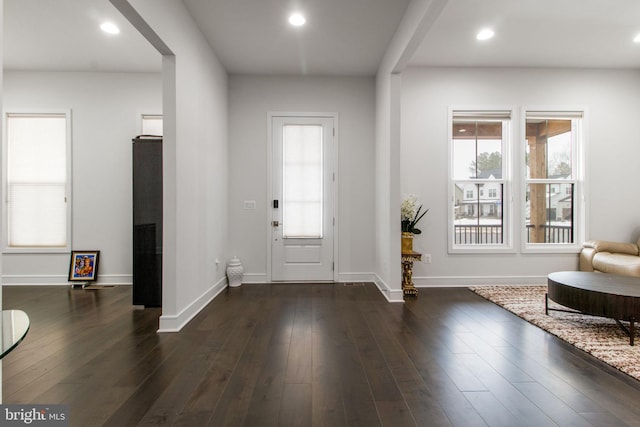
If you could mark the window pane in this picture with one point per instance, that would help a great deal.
(478, 218)
(464, 156)
(37, 215)
(152, 125)
(477, 149)
(36, 148)
(550, 213)
(37, 180)
(302, 181)
(548, 150)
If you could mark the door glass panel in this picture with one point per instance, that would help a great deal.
(302, 181)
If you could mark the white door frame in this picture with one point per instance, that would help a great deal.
(270, 166)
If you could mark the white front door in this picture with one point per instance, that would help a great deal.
(302, 206)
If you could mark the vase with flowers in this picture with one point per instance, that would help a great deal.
(411, 215)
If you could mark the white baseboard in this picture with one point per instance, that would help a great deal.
(356, 277)
(174, 323)
(464, 281)
(20, 279)
(59, 280)
(115, 279)
(249, 278)
(253, 278)
(419, 281)
(396, 295)
(392, 295)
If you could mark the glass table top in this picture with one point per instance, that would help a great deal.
(14, 326)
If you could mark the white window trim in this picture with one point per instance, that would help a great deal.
(507, 180)
(579, 163)
(68, 193)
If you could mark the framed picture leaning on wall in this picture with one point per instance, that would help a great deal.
(83, 266)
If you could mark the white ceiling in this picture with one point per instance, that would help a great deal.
(342, 37)
(535, 33)
(64, 35)
(346, 37)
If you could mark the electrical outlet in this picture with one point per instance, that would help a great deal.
(426, 258)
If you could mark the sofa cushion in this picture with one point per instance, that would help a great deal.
(627, 265)
(613, 247)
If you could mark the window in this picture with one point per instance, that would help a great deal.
(550, 168)
(152, 124)
(553, 141)
(37, 181)
(479, 142)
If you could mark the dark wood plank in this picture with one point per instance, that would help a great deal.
(560, 412)
(295, 406)
(395, 413)
(264, 406)
(329, 334)
(299, 361)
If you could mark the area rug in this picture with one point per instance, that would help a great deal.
(598, 336)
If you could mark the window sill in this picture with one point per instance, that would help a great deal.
(487, 250)
(551, 249)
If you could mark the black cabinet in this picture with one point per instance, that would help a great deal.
(147, 221)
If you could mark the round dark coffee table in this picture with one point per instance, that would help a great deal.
(597, 294)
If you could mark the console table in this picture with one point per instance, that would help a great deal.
(14, 326)
(598, 294)
(408, 258)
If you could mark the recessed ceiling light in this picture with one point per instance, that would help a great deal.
(297, 20)
(485, 34)
(637, 39)
(110, 28)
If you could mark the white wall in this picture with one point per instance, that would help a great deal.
(418, 17)
(106, 109)
(195, 163)
(387, 191)
(612, 101)
(250, 99)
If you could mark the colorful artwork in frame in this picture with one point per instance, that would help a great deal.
(83, 266)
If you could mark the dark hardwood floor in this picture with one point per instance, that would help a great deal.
(302, 355)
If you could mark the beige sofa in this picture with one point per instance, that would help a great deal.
(611, 257)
